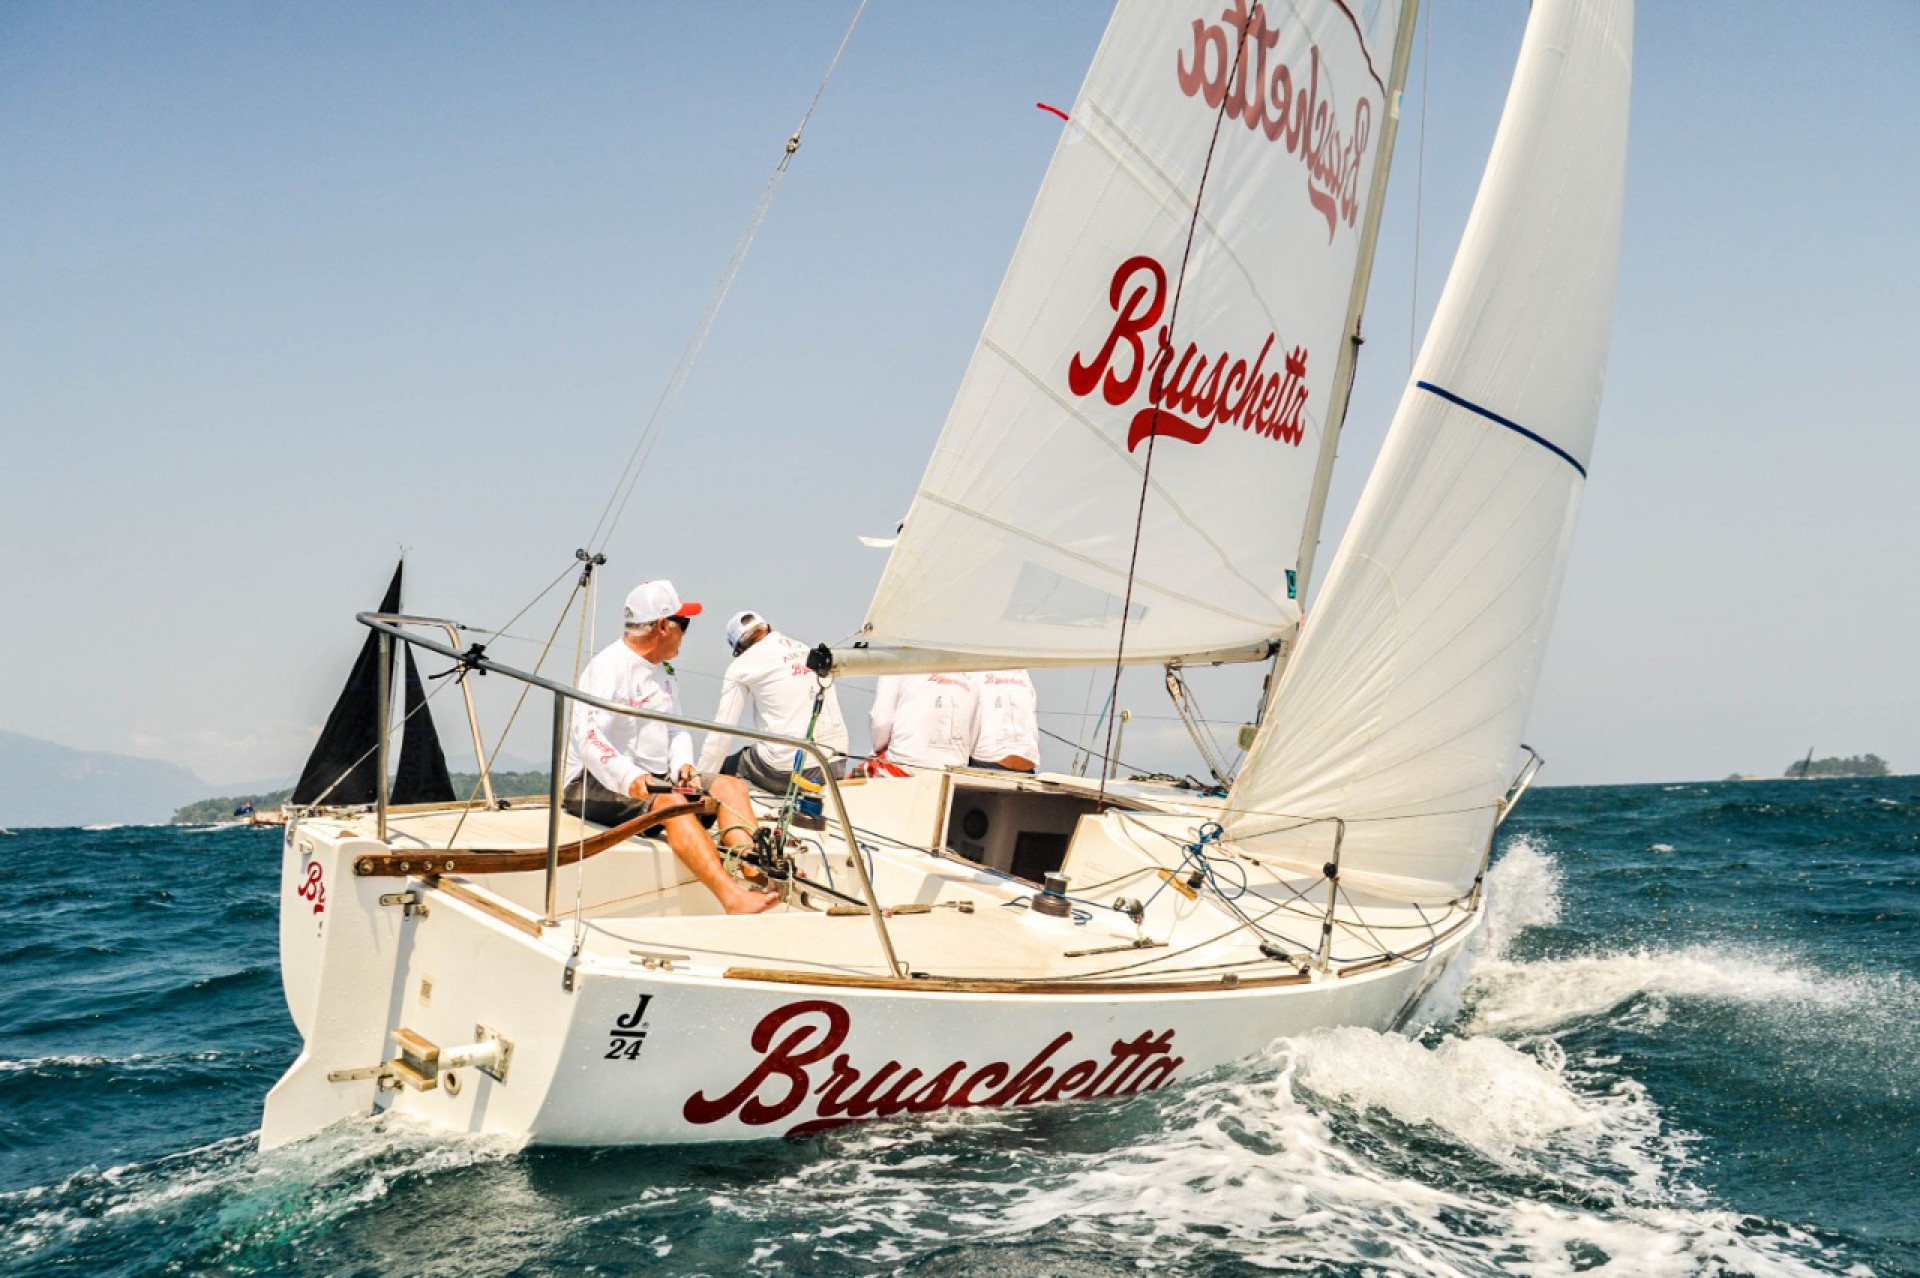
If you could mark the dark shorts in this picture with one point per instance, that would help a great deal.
(747, 764)
(984, 766)
(586, 798)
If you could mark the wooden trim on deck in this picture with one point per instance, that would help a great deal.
(984, 985)
(487, 906)
(519, 860)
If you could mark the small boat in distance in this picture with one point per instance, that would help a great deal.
(1134, 470)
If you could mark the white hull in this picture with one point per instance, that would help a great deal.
(680, 1025)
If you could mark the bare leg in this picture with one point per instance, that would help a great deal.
(696, 851)
(737, 822)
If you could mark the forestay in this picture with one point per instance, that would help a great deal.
(1016, 549)
(1403, 708)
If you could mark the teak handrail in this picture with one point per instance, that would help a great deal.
(515, 860)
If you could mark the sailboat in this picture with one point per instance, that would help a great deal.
(1134, 470)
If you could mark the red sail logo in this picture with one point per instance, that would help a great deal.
(1292, 106)
(802, 1073)
(1187, 394)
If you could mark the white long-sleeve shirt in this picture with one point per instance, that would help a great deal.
(619, 749)
(1006, 722)
(924, 720)
(772, 677)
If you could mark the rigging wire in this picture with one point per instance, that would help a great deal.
(587, 641)
(629, 477)
(656, 423)
(526, 689)
(1173, 319)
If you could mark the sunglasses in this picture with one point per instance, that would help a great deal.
(682, 622)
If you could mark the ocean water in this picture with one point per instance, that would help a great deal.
(1689, 1045)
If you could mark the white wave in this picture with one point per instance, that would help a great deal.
(301, 1187)
(1247, 1165)
(58, 1062)
(1483, 1091)
(1520, 998)
(1522, 891)
(131, 1063)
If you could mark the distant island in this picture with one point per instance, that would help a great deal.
(1859, 765)
(505, 785)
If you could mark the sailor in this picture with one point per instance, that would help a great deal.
(769, 672)
(619, 766)
(1006, 727)
(922, 721)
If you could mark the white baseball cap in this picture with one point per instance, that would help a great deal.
(741, 625)
(652, 600)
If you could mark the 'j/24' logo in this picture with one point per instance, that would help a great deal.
(628, 1034)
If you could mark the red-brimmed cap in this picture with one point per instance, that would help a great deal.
(652, 600)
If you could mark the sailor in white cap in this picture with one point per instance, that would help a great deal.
(769, 672)
(619, 766)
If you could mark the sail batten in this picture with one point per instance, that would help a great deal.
(1018, 547)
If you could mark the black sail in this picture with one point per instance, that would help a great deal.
(422, 777)
(342, 767)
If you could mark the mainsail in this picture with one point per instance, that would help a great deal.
(1402, 710)
(1110, 335)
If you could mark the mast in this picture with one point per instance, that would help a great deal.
(1350, 353)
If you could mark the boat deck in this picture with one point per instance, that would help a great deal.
(635, 906)
(975, 927)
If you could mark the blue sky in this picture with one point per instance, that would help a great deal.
(284, 288)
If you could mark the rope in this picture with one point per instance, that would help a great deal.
(655, 426)
(1173, 319)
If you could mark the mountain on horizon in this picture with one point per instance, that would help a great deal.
(45, 784)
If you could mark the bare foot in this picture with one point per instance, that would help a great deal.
(745, 902)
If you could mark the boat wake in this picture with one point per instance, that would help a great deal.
(1345, 1151)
